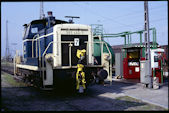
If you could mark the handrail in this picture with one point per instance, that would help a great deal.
(47, 48)
(43, 60)
(39, 54)
(105, 44)
(110, 64)
(70, 42)
(33, 45)
(70, 52)
(110, 60)
(44, 54)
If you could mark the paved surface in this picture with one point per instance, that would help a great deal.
(158, 97)
(98, 98)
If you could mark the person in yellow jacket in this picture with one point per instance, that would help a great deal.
(80, 75)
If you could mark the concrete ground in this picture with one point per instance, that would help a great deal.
(116, 97)
(158, 97)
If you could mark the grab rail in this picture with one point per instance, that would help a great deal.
(42, 68)
(33, 45)
(110, 64)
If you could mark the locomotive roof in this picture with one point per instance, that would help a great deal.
(38, 21)
(43, 21)
(60, 21)
(57, 21)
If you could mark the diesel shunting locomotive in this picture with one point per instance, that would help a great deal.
(51, 58)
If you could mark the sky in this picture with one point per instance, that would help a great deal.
(115, 17)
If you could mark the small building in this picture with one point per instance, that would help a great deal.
(130, 61)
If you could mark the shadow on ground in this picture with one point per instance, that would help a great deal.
(32, 99)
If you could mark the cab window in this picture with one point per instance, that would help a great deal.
(35, 28)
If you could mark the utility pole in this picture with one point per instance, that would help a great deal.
(147, 44)
(7, 43)
(42, 15)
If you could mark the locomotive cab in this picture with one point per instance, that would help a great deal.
(33, 28)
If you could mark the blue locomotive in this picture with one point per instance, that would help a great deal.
(50, 53)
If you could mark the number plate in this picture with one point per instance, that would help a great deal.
(76, 41)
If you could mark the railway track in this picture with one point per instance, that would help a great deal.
(9, 68)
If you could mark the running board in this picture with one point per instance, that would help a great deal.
(29, 67)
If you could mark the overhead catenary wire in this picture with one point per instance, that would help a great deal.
(97, 14)
(136, 12)
(115, 21)
(134, 26)
(141, 26)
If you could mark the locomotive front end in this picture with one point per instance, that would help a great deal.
(61, 64)
(67, 39)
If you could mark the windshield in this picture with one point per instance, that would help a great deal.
(35, 28)
(32, 29)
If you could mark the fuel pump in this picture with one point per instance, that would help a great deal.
(156, 64)
(156, 67)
